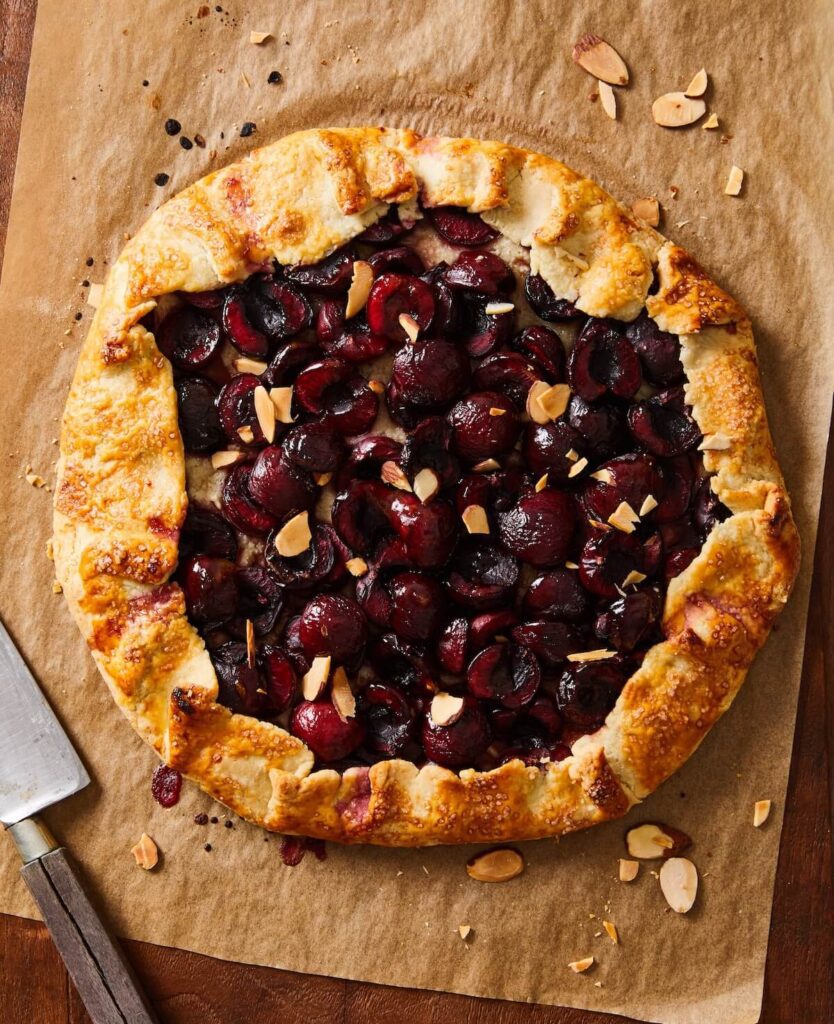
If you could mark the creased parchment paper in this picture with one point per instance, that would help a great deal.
(92, 142)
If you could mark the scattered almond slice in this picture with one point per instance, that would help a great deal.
(698, 85)
(315, 679)
(711, 122)
(535, 410)
(35, 480)
(225, 458)
(734, 181)
(256, 38)
(356, 566)
(495, 411)
(715, 443)
(555, 400)
(426, 484)
(599, 526)
(633, 578)
(605, 476)
(294, 536)
(572, 454)
(497, 308)
(676, 110)
(541, 483)
(57, 588)
(651, 840)
(679, 883)
(392, 474)
(598, 655)
(611, 931)
(281, 398)
(244, 80)
(250, 643)
(246, 434)
(377, 387)
(145, 852)
(580, 966)
(624, 518)
(486, 466)
(578, 467)
(499, 865)
(475, 519)
(410, 326)
(464, 930)
(608, 101)
(761, 812)
(629, 870)
(601, 60)
(95, 295)
(246, 365)
(649, 503)
(342, 695)
(322, 479)
(360, 288)
(647, 209)
(445, 708)
(571, 565)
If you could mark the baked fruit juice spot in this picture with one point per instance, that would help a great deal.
(413, 491)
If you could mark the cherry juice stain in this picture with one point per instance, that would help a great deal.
(166, 785)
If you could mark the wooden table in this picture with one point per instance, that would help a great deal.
(188, 988)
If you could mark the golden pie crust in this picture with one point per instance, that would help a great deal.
(120, 499)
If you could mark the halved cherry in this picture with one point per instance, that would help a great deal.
(238, 505)
(588, 691)
(543, 349)
(607, 559)
(483, 332)
(546, 447)
(481, 272)
(663, 424)
(429, 532)
(319, 725)
(236, 408)
(279, 677)
(427, 447)
(206, 532)
(630, 478)
(360, 514)
(600, 423)
(507, 673)
(485, 425)
(447, 305)
(278, 485)
(460, 742)
(603, 362)
(484, 628)
(280, 309)
(198, 417)
(453, 646)
(678, 474)
(260, 600)
(239, 324)
(544, 302)
(482, 575)
(416, 605)
(239, 684)
(405, 664)
(311, 567)
(539, 528)
(332, 275)
(460, 227)
(332, 625)
(402, 259)
(707, 509)
(366, 457)
(430, 374)
(336, 392)
(387, 229)
(316, 447)
(681, 544)
(551, 642)
(395, 295)
(210, 590)
(388, 717)
(188, 337)
(659, 352)
(289, 360)
(210, 299)
(630, 621)
(557, 594)
(507, 372)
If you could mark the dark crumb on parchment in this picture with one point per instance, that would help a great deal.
(201, 819)
(207, 847)
(145, 83)
(275, 78)
(213, 819)
(172, 126)
(185, 142)
(199, 141)
(90, 261)
(249, 128)
(78, 316)
(161, 179)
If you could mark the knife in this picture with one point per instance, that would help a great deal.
(38, 767)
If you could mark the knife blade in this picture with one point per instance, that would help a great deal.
(38, 765)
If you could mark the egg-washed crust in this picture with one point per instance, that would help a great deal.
(120, 499)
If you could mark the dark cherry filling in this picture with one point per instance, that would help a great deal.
(483, 553)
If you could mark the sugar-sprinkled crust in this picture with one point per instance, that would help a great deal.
(120, 499)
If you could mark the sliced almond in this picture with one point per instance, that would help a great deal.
(294, 536)
(629, 870)
(360, 288)
(322, 479)
(499, 865)
(244, 80)
(676, 110)
(698, 85)
(265, 411)
(246, 434)
(597, 525)
(475, 519)
(571, 565)
(342, 695)
(535, 410)
(555, 400)
(315, 679)
(246, 365)
(605, 476)
(464, 930)
(608, 101)
(57, 588)
(225, 458)
(145, 852)
(679, 883)
(393, 475)
(624, 518)
(715, 443)
(649, 503)
(356, 566)
(497, 308)
(761, 812)
(572, 454)
(647, 209)
(541, 483)
(577, 467)
(426, 484)
(651, 840)
(734, 181)
(95, 295)
(495, 411)
(445, 709)
(250, 643)
(377, 387)
(486, 466)
(282, 400)
(611, 932)
(599, 655)
(633, 578)
(580, 966)
(259, 37)
(410, 326)
(601, 60)
(711, 122)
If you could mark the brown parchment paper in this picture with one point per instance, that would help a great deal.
(91, 144)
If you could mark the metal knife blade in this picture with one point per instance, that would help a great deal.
(38, 765)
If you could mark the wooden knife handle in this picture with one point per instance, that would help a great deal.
(98, 969)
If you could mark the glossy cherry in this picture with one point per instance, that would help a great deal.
(545, 304)
(603, 362)
(236, 408)
(629, 478)
(388, 718)
(482, 575)
(198, 416)
(460, 227)
(484, 426)
(629, 621)
(332, 275)
(553, 448)
(539, 528)
(430, 374)
(334, 625)
(278, 485)
(557, 595)
(210, 590)
(334, 390)
(542, 348)
(586, 692)
(507, 673)
(462, 741)
(206, 532)
(663, 425)
(481, 272)
(188, 337)
(659, 352)
(315, 447)
(394, 295)
(238, 505)
(318, 724)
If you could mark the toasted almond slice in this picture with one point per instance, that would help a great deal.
(497, 308)
(761, 812)
(246, 434)
(322, 479)
(294, 536)
(57, 588)
(486, 466)
(624, 518)
(698, 85)
(282, 400)
(377, 387)
(608, 100)
(572, 454)
(498, 865)
(652, 840)
(580, 966)
(715, 443)
(392, 474)
(426, 484)
(445, 709)
(246, 365)
(734, 181)
(410, 326)
(244, 80)
(535, 410)
(577, 467)
(679, 883)
(475, 519)
(647, 209)
(555, 400)
(649, 503)
(605, 476)
(541, 483)
(676, 110)
(598, 655)
(633, 578)
(145, 852)
(250, 643)
(495, 411)
(360, 288)
(265, 411)
(601, 60)
(225, 458)
(599, 526)
(342, 695)
(571, 565)
(356, 566)
(628, 870)
(611, 931)
(711, 122)
(95, 295)
(464, 930)
(259, 37)
(315, 679)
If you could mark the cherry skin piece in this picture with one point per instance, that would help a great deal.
(459, 227)
(341, 396)
(334, 625)
(545, 304)
(198, 417)
(402, 259)
(332, 275)
(317, 723)
(279, 676)
(539, 528)
(392, 296)
(551, 642)
(461, 742)
(188, 337)
(386, 230)
(477, 432)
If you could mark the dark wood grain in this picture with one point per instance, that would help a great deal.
(187, 988)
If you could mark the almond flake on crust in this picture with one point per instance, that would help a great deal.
(734, 181)
(393, 475)
(715, 443)
(360, 288)
(315, 678)
(342, 695)
(445, 709)
(608, 101)
(475, 519)
(410, 326)
(282, 400)
(698, 85)
(294, 536)
(600, 59)
(580, 966)
(599, 655)
(761, 812)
